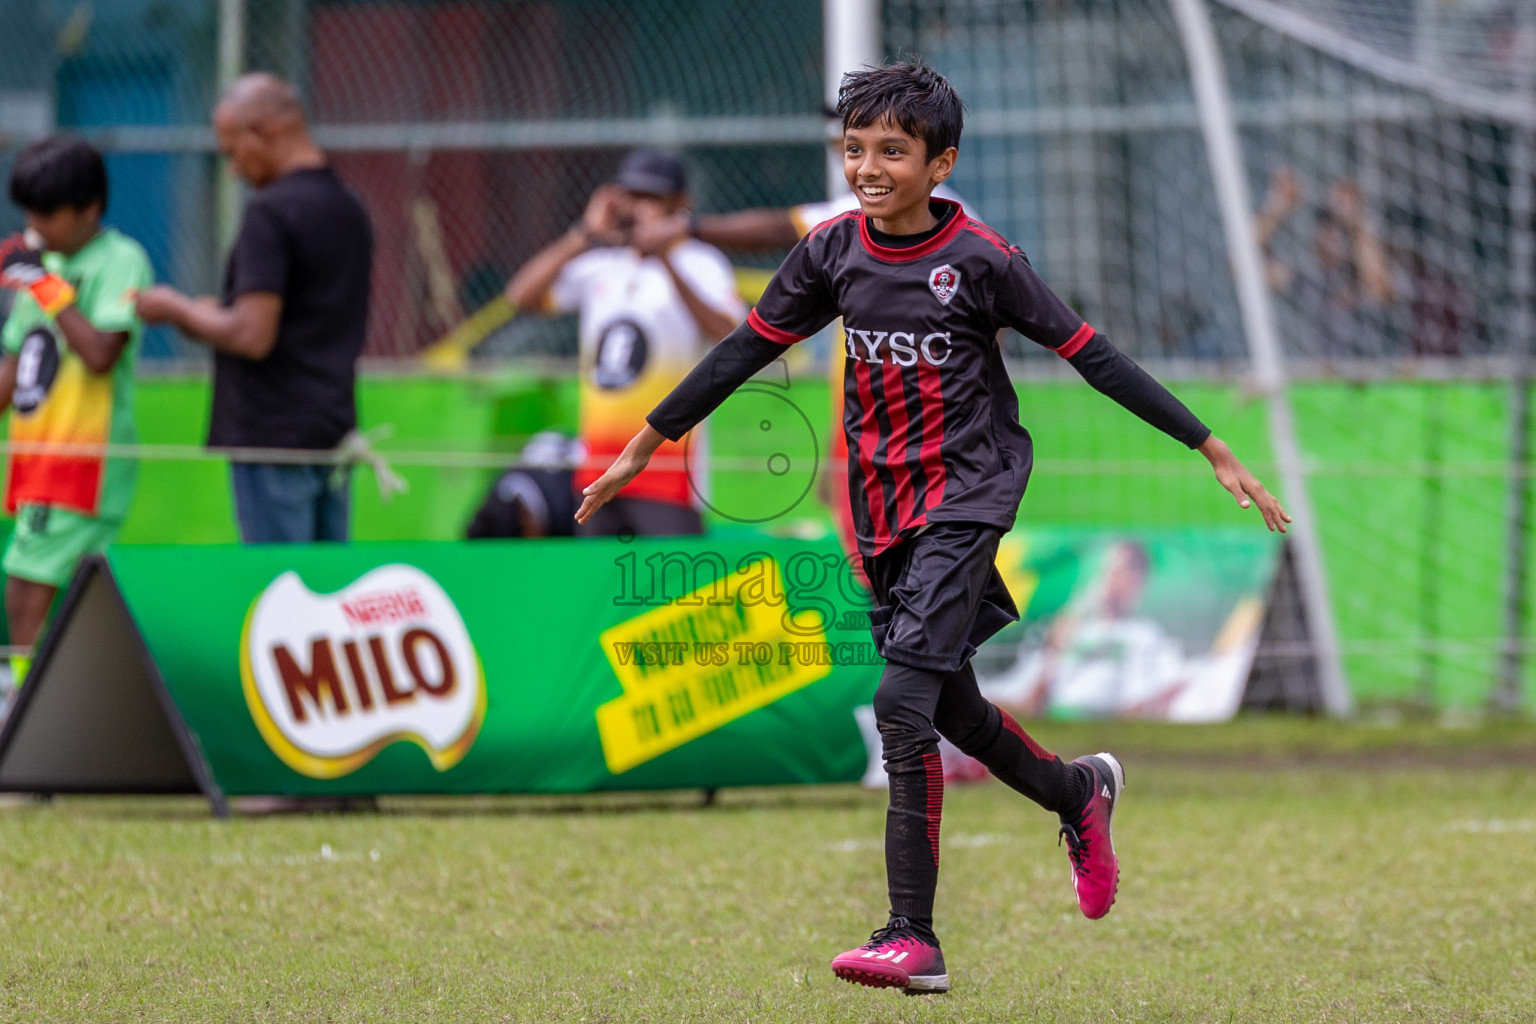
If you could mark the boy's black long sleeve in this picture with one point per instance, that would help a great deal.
(728, 366)
(1113, 373)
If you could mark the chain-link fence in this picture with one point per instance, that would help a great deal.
(474, 129)
(1382, 134)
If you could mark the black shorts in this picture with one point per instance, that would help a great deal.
(938, 596)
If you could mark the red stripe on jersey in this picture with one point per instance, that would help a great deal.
(818, 228)
(770, 332)
(930, 386)
(869, 432)
(917, 252)
(896, 444)
(977, 227)
(1075, 343)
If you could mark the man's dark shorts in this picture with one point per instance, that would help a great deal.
(938, 596)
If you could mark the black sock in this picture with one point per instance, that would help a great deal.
(1080, 783)
(921, 927)
(912, 835)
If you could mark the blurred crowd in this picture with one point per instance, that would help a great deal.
(1355, 297)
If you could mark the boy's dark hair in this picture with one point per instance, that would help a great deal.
(917, 98)
(61, 170)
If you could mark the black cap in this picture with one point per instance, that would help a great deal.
(653, 172)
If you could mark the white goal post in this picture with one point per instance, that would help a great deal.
(1222, 148)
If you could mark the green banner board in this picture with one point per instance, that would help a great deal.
(529, 667)
(1147, 623)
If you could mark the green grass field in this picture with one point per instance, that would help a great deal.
(1272, 871)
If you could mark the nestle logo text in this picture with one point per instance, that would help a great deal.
(385, 606)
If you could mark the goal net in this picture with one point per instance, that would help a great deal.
(1387, 146)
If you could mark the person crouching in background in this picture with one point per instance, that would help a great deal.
(66, 375)
(535, 498)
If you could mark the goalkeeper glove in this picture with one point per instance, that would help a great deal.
(21, 267)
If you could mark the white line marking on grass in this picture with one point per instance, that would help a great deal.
(327, 854)
(857, 845)
(1493, 825)
(964, 842)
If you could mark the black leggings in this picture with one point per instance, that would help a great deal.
(913, 708)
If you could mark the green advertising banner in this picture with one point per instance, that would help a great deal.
(1159, 624)
(489, 667)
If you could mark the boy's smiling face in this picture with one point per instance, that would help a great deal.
(891, 173)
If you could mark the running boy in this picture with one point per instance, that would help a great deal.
(66, 374)
(941, 466)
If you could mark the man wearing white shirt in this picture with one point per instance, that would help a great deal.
(651, 300)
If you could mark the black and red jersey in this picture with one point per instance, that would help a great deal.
(931, 417)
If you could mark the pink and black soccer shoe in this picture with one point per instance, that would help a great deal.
(894, 957)
(1095, 869)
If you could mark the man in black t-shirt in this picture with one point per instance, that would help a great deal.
(938, 464)
(289, 327)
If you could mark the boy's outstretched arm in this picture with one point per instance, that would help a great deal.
(1024, 302)
(1116, 375)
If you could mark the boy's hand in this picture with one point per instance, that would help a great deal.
(21, 268)
(1245, 487)
(625, 468)
(157, 304)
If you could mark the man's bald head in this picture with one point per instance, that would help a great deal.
(260, 127)
(262, 97)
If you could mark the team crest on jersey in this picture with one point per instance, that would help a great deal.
(944, 282)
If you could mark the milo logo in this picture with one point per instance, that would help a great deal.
(332, 679)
